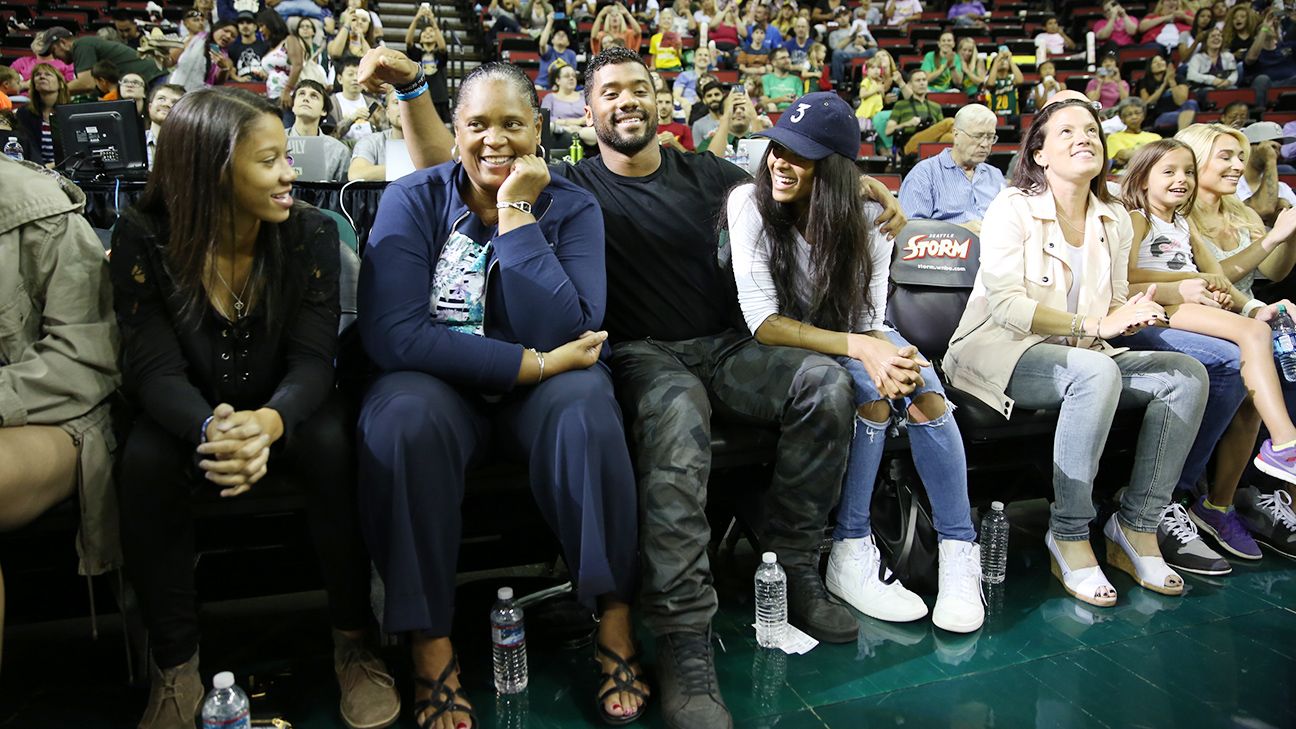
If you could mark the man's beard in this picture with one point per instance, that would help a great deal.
(608, 134)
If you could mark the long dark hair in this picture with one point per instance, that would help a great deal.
(191, 187)
(276, 27)
(837, 232)
(1029, 176)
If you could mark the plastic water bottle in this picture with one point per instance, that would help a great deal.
(994, 544)
(226, 707)
(771, 602)
(741, 158)
(509, 637)
(1284, 343)
(512, 711)
(13, 149)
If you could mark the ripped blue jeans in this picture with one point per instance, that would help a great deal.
(936, 447)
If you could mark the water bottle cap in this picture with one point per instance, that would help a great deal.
(223, 680)
(996, 505)
(1282, 308)
(505, 593)
(769, 558)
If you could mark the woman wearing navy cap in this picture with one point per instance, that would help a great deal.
(811, 269)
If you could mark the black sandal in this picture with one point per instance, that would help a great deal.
(443, 699)
(623, 679)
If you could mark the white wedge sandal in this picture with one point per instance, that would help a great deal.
(1087, 584)
(1150, 572)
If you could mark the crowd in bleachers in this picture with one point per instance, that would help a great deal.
(720, 254)
(277, 51)
(1179, 61)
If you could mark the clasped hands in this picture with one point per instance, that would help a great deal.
(237, 450)
(895, 371)
(1208, 289)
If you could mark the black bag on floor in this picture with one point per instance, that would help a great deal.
(903, 529)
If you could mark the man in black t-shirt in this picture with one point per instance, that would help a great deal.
(248, 49)
(681, 351)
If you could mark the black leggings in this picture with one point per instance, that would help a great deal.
(159, 483)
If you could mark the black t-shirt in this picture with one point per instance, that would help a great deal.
(1161, 105)
(1240, 46)
(247, 56)
(434, 70)
(665, 279)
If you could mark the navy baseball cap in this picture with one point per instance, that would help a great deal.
(817, 125)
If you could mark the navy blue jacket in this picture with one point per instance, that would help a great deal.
(546, 283)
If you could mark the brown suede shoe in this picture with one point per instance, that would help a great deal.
(369, 697)
(175, 696)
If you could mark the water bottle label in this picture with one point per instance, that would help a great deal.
(510, 636)
(1283, 343)
(238, 721)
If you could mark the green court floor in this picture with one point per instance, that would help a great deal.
(1223, 655)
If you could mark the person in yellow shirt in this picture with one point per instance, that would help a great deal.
(1121, 146)
(870, 90)
(665, 46)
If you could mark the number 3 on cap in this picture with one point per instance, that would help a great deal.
(800, 112)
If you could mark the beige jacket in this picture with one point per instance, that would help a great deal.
(1024, 265)
(58, 339)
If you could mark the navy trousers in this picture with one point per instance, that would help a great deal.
(419, 435)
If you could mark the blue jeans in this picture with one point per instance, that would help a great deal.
(1223, 364)
(936, 447)
(1171, 118)
(1262, 83)
(302, 8)
(1087, 387)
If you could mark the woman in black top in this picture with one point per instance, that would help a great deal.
(1169, 103)
(226, 293)
(48, 89)
(430, 51)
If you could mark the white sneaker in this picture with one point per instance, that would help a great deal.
(958, 604)
(854, 568)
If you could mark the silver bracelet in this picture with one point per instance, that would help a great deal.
(540, 360)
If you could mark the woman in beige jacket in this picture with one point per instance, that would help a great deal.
(1050, 291)
(58, 363)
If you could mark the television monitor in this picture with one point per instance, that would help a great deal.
(99, 139)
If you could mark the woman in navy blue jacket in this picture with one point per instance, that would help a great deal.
(481, 294)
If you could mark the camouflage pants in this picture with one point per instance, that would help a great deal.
(668, 391)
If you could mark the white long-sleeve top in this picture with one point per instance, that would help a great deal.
(1199, 69)
(756, 293)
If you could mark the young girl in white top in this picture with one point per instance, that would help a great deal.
(1159, 188)
(811, 269)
